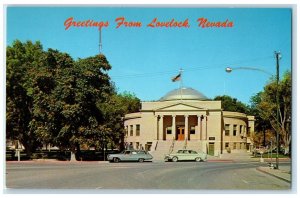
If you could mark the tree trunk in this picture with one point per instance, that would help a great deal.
(78, 152)
(75, 153)
(28, 148)
(73, 156)
(122, 143)
(286, 150)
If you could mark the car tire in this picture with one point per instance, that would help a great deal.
(174, 159)
(141, 160)
(116, 160)
(198, 159)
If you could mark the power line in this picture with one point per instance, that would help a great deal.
(188, 69)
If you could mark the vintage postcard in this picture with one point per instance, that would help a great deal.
(149, 98)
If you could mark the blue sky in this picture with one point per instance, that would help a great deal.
(145, 59)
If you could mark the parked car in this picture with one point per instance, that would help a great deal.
(186, 155)
(130, 155)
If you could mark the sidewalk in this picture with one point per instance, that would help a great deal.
(243, 157)
(283, 173)
(232, 157)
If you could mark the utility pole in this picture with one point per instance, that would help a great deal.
(278, 56)
(264, 130)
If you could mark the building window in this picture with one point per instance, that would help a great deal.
(137, 145)
(192, 130)
(126, 131)
(226, 144)
(241, 129)
(130, 146)
(148, 146)
(234, 130)
(131, 130)
(234, 145)
(227, 129)
(169, 130)
(137, 130)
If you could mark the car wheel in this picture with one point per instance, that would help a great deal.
(175, 159)
(141, 160)
(116, 159)
(198, 159)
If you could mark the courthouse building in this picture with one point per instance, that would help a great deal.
(185, 118)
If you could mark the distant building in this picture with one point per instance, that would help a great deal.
(185, 118)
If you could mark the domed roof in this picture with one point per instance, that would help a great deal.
(184, 94)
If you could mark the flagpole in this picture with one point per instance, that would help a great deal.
(179, 78)
(181, 71)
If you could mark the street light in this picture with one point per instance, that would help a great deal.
(230, 69)
(278, 57)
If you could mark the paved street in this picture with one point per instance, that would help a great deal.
(148, 175)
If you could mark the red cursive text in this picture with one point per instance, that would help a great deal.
(88, 23)
(121, 22)
(155, 23)
(204, 23)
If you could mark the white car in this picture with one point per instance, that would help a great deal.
(186, 155)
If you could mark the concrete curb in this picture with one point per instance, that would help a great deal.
(280, 160)
(41, 161)
(276, 176)
(220, 160)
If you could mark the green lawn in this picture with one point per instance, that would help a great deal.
(265, 155)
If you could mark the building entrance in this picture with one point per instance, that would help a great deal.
(180, 133)
(211, 148)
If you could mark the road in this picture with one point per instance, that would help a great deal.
(147, 175)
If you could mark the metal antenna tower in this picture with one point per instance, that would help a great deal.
(100, 41)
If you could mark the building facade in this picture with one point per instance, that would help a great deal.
(185, 118)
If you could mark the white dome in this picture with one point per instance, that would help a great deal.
(184, 94)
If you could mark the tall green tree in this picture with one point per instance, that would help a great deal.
(47, 115)
(114, 111)
(53, 99)
(79, 87)
(263, 127)
(21, 59)
(267, 108)
(232, 104)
